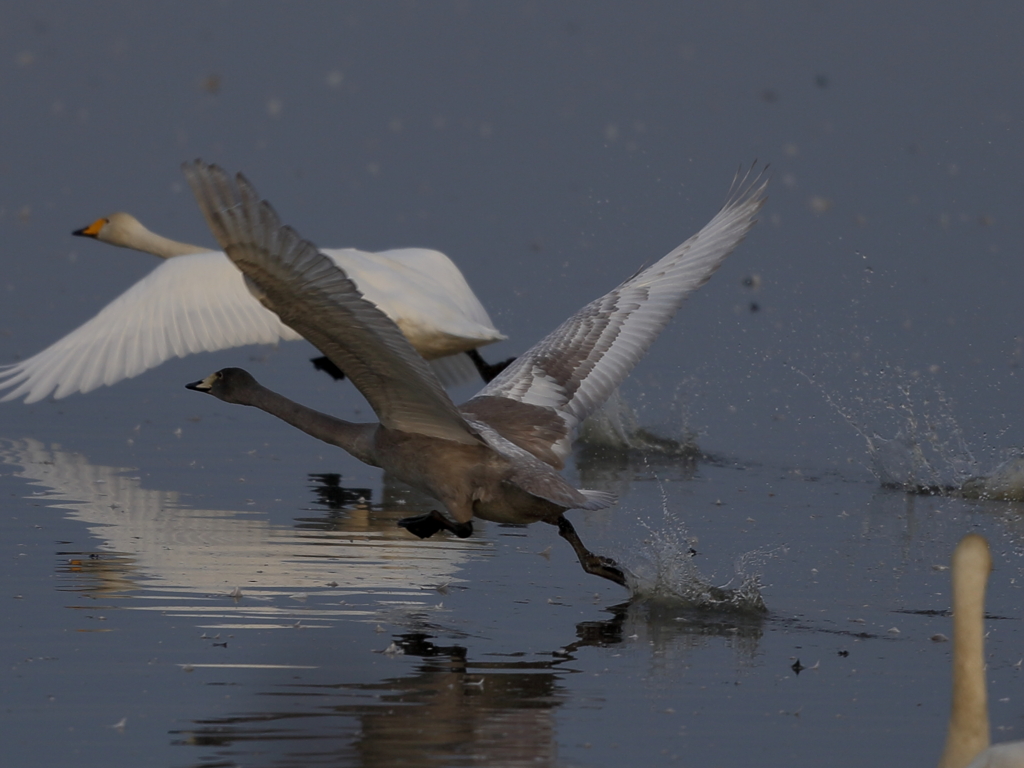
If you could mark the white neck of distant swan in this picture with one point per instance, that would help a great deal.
(164, 247)
(129, 232)
(968, 720)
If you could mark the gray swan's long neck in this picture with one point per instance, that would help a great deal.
(357, 439)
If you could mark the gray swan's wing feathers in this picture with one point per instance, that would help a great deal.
(316, 298)
(538, 478)
(575, 368)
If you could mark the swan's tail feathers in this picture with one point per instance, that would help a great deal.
(597, 499)
(454, 369)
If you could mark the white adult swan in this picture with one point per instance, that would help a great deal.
(196, 301)
(497, 456)
(967, 742)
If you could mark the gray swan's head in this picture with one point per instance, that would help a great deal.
(232, 385)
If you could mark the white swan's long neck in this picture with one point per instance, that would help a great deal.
(357, 439)
(968, 720)
(158, 245)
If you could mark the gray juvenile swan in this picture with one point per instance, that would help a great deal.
(498, 455)
(967, 740)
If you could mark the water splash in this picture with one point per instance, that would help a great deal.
(927, 453)
(1004, 483)
(615, 428)
(665, 569)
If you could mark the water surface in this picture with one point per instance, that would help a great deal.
(191, 584)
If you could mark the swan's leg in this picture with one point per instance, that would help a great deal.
(427, 525)
(597, 565)
(325, 365)
(486, 370)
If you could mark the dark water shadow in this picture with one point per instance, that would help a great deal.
(454, 706)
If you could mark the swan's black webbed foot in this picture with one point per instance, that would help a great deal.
(598, 565)
(325, 365)
(423, 526)
(427, 525)
(487, 370)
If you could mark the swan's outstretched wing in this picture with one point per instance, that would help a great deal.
(575, 368)
(195, 303)
(315, 298)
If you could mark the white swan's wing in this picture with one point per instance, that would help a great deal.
(576, 367)
(430, 301)
(438, 270)
(315, 298)
(425, 294)
(195, 303)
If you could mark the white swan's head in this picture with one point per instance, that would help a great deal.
(124, 230)
(119, 228)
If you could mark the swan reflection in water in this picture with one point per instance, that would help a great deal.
(351, 562)
(198, 562)
(451, 702)
(155, 553)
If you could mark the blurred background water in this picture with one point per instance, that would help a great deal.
(864, 339)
